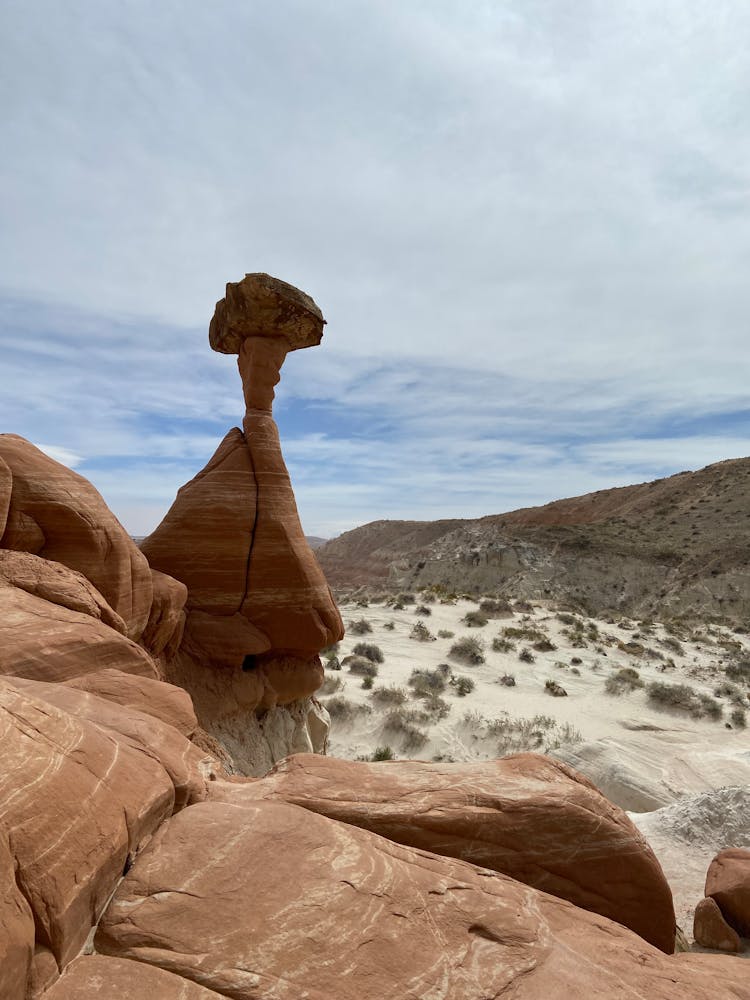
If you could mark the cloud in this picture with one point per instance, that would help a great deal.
(526, 224)
(63, 455)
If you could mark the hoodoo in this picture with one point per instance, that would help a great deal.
(258, 607)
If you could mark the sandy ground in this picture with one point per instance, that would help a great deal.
(645, 758)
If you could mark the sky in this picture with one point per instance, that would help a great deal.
(527, 223)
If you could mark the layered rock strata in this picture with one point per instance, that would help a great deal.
(258, 607)
(518, 816)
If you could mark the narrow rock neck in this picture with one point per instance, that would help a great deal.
(260, 362)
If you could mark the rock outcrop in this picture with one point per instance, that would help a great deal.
(50, 511)
(334, 910)
(258, 607)
(711, 930)
(728, 883)
(518, 816)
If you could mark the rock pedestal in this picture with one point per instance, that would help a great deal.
(258, 607)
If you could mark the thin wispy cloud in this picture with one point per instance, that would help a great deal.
(527, 225)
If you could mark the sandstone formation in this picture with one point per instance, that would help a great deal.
(258, 607)
(518, 816)
(76, 801)
(728, 883)
(52, 512)
(342, 912)
(711, 930)
(94, 977)
(16, 928)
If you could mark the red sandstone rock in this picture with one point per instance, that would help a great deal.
(728, 882)
(76, 801)
(55, 513)
(50, 642)
(187, 766)
(95, 977)
(336, 911)
(711, 930)
(164, 701)
(166, 620)
(16, 930)
(527, 816)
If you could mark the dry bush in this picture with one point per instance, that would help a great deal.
(555, 689)
(685, 699)
(444, 633)
(344, 711)
(424, 683)
(400, 723)
(526, 656)
(370, 652)
(330, 685)
(421, 633)
(463, 685)
(545, 646)
(623, 681)
(361, 666)
(468, 649)
(389, 696)
(475, 619)
(360, 626)
(500, 645)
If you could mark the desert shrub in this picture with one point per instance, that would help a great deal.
(361, 666)
(421, 633)
(523, 607)
(527, 632)
(359, 627)
(555, 689)
(728, 690)
(428, 597)
(738, 670)
(623, 681)
(436, 707)
(468, 649)
(330, 652)
(541, 732)
(444, 669)
(422, 609)
(367, 683)
(383, 753)
(424, 683)
(330, 685)
(389, 626)
(388, 696)
(738, 718)
(526, 656)
(508, 680)
(444, 633)
(362, 602)
(544, 646)
(463, 686)
(685, 699)
(673, 645)
(567, 619)
(500, 645)
(400, 723)
(406, 599)
(495, 606)
(342, 710)
(632, 648)
(370, 651)
(333, 664)
(475, 619)
(576, 661)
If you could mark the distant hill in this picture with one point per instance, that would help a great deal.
(315, 542)
(671, 546)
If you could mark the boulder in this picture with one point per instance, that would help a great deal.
(54, 513)
(728, 883)
(95, 977)
(51, 642)
(16, 929)
(336, 911)
(187, 766)
(164, 701)
(517, 815)
(711, 930)
(77, 801)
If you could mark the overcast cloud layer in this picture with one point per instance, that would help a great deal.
(527, 223)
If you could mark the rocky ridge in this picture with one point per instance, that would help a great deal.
(670, 547)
